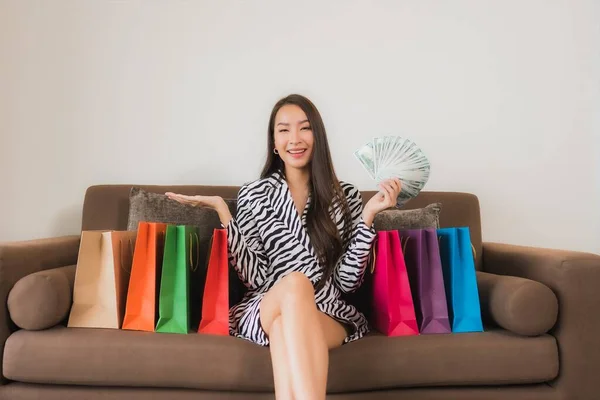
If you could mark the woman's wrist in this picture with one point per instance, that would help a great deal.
(224, 213)
(368, 217)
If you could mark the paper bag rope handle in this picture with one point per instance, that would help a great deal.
(373, 255)
(472, 248)
(121, 254)
(194, 266)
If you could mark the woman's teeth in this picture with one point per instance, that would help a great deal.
(297, 153)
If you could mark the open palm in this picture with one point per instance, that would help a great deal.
(196, 201)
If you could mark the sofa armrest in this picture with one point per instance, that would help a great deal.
(19, 259)
(575, 279)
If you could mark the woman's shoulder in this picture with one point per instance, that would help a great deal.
(350, 190)
(259, 187)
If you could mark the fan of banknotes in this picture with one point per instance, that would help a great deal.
(393, 156)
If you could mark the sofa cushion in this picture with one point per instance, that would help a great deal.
(42, 299)
(420, 218)
(520, 305)
(108, 357)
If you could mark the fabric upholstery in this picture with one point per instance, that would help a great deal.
(420, 218)
(573, 277)
(27, 391)
(19, 259)
(108, 357)
(42, 299)
(155, 207)
(519, 305)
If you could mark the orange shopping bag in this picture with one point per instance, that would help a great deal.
(215, 303)
(142, 297)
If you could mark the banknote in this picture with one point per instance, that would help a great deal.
(366, 158)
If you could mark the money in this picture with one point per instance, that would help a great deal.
(365, 156)
(396, 157)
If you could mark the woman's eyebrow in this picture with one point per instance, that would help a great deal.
(301, 122)
(283, 123)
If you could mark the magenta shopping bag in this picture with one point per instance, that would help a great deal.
(393, 308)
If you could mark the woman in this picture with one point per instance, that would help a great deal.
(299, 239)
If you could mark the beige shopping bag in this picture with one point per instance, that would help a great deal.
(101, 279)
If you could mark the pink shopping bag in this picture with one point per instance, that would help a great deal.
(393, 307)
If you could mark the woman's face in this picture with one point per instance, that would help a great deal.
(293, 137)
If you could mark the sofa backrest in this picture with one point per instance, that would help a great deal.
(107, 206)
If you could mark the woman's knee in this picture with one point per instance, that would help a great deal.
(294, 290)
(296, 286)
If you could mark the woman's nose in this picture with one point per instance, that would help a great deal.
(294, 136)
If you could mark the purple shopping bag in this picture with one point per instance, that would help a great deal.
(424, 266)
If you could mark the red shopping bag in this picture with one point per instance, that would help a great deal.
(393, 307)
(215, 302)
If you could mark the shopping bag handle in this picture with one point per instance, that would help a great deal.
(121, 254)
(373, 255)
(405, 244)
(374, 252)
(472, 248)
(194, 266)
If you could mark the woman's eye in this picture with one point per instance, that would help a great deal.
(306, 128)
(283, 130)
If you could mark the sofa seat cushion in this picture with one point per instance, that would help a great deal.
(104, 357)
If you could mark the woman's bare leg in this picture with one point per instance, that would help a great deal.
(279, 358)
(307, 334)
(292, 300)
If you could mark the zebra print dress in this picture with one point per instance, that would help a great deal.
(267, 240)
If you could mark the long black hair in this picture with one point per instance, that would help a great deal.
(324, 187)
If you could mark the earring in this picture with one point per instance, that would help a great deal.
(275, 151)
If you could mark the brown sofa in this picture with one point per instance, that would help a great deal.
(540, 307)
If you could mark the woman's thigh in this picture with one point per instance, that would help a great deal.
(335, 333)
(298, 288)
(295, 287)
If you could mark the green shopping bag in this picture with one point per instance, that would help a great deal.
(180, 257)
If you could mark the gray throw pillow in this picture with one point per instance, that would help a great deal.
(420, 218)
(154, 207)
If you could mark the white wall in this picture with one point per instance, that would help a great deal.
(502, 95)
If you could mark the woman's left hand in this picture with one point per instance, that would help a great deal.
(384, 199)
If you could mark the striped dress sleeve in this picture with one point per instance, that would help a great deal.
(246, 252)
(350, 270)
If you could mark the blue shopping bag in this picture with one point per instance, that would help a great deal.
(460, 280)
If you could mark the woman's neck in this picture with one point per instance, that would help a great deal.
(297, 178)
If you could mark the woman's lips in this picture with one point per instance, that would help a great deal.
(297, 153)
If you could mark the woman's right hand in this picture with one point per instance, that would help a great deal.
(215, 202)
(196, 201)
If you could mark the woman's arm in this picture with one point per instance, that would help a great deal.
(246, 251)
(350, 270)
